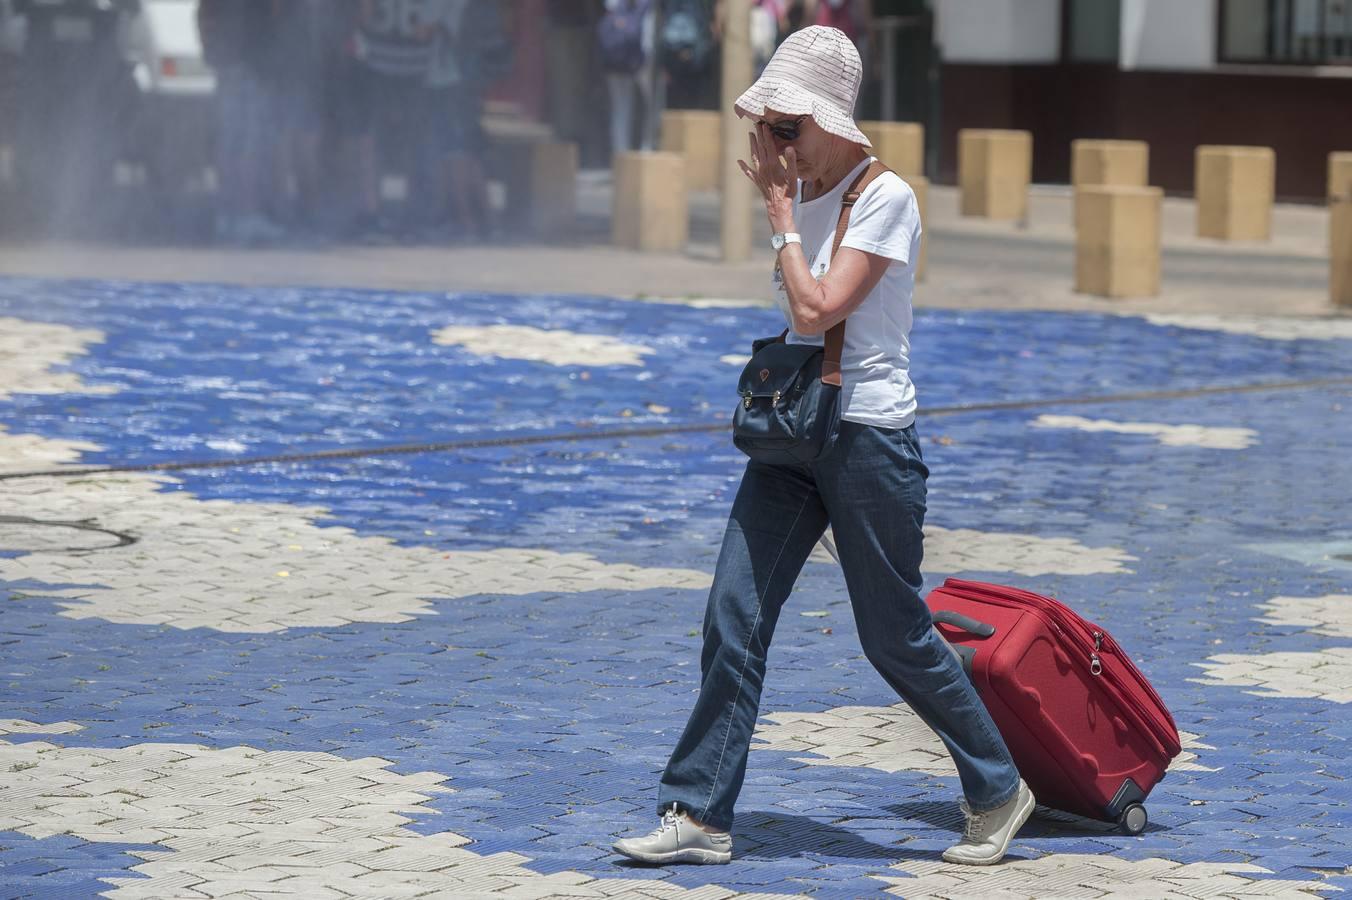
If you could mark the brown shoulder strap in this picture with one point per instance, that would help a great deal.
(835, 336)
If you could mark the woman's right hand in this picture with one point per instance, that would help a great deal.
(775, 178)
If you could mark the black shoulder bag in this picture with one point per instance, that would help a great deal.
(790, 409)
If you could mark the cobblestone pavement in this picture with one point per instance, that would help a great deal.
(457, 671)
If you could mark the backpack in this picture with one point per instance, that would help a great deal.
(619, 37)
(685, 41)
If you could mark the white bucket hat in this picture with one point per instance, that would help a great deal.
(816, 72)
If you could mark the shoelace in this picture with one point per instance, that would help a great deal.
(976, 826)
(669, 820)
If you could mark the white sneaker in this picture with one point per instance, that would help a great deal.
(678, 840)
(987, 835)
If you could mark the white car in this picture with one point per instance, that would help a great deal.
(174, 122)
(161, 42)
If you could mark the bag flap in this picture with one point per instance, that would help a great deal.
(779, 366)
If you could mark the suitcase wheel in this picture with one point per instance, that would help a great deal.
(1133, 819)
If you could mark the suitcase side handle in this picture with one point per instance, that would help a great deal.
(966, 623)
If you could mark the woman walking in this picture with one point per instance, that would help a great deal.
(870, 488)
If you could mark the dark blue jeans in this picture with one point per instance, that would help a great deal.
(871, 489)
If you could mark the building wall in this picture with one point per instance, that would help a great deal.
(1169, 34)
(1302, 118)
(1155, 34)
(998, 31)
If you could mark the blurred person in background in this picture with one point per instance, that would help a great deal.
(473, 51)
(850, 16)
(237, 41)
(385, 96)
(73, 99)
(574, 83)
(626, 37)
(445, 145)
(345, 119)
(687, 50)
(296, 68)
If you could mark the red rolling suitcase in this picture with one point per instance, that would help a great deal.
(1087, 731)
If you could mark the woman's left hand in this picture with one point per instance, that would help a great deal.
(776, 179)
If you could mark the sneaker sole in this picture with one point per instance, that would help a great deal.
(690, 855)
(1025, 812)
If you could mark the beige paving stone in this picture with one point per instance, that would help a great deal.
(177, 533)
(887, 738)
(1325, 674)
(1066, 875)
(556, 347)
(31, 453)
(1210, 437)
(1273, 328)
(23, 726)
(31, 351)
(219, 829)
(1330, 614)
(1187, 761)
(964, 549)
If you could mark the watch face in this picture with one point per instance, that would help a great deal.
(776, 242)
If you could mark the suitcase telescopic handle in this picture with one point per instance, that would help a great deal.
(966, 623)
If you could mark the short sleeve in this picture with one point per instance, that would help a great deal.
(886, 220)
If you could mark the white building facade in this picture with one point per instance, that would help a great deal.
(1176, 73)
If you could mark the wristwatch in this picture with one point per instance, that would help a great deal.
(780, 239)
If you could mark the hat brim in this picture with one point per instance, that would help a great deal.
(795, 100)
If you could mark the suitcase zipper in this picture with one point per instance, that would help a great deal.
(1068, 624)
(1158, 723)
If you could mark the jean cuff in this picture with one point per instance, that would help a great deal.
(715, 822)
(1010, 795)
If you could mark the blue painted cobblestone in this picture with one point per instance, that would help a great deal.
(552, 713)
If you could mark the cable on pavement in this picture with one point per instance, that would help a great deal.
(603, 434)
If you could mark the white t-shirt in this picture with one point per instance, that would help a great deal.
(876, 384)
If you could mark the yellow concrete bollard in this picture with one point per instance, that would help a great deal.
(650, 210)
(696, 134)
(1340, 253)
(898, 145)
(1340, 174)
(920, 184)
(1234, 188)
(1124, 163)
(1117, 241)
(1340, 228)
(541, 180)
(995, 167)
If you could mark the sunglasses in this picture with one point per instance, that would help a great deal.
(786, 130)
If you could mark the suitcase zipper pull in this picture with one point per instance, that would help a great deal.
(1096, 664)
